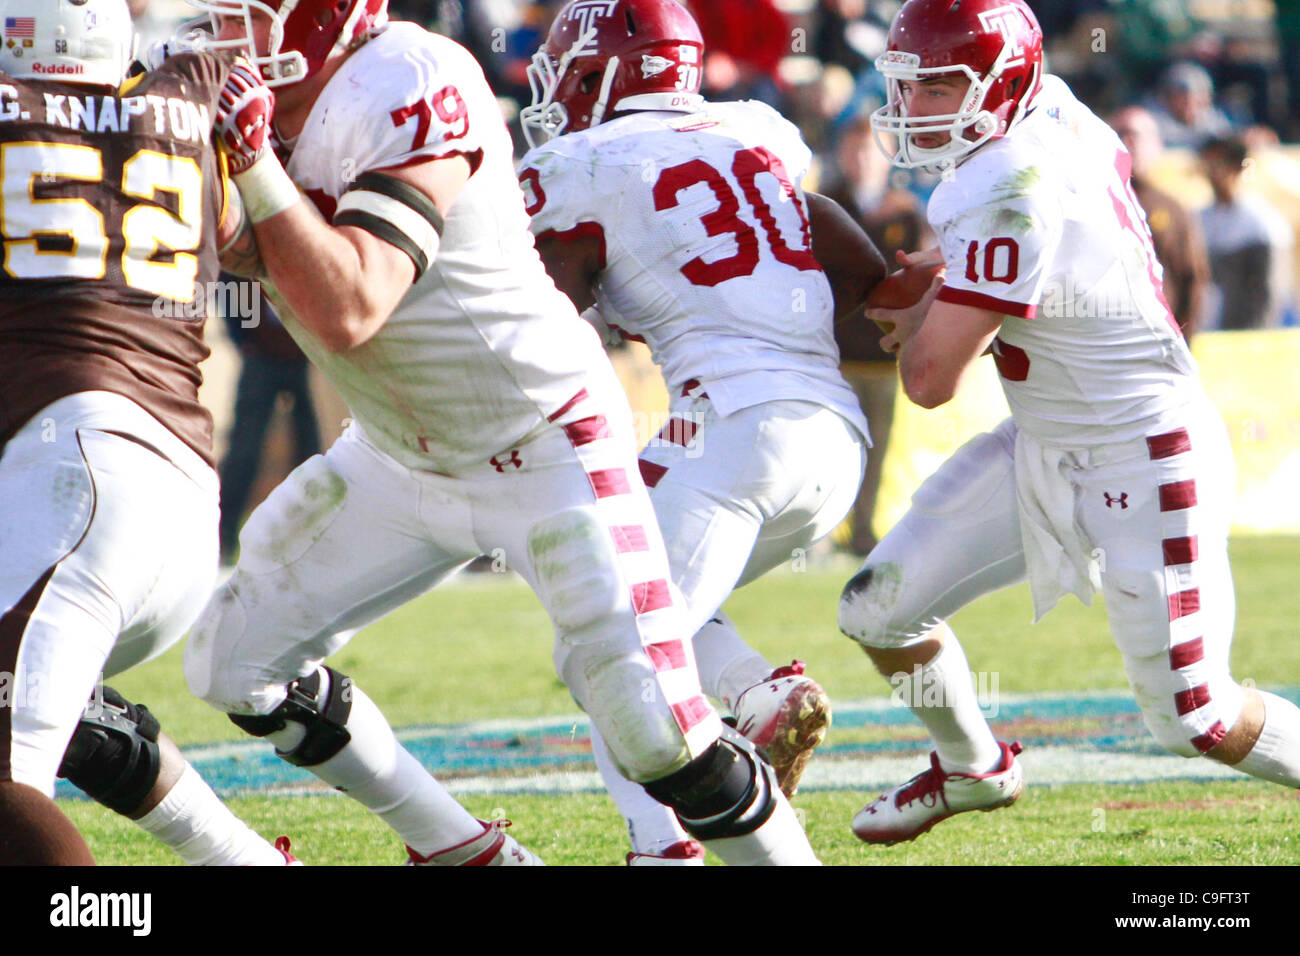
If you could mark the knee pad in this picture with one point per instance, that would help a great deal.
(867, 606)
(574, 559)
(113, 756)
(1187, 735)
(623, 695)
(321, 712)
(1180, 708)
(1171, 733)
(728, 791)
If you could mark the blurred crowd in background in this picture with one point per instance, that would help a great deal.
(1204, 93)
(1217, 78)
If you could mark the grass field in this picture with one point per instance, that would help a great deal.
(478, 649)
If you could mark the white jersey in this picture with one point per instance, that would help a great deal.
(483, 347)
(707, 248)
(1042, 226)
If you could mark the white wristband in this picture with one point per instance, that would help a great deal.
(266, 188)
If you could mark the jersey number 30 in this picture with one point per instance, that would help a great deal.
(724, 220)
(66, 238)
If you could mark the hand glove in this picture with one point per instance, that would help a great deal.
(244, 112)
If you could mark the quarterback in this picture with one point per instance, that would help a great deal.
(485, 416)
(112, 203)
(1114, 472)
(681, 224)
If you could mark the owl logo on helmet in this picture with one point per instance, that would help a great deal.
(603, 57)
(303, 35)
(996, 45)
(91, 41)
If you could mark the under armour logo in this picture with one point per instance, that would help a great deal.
(512, 460)
(1122, 500)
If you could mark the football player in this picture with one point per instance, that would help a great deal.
(111, 206)
(681, 224)
(1114, 472)
(486, 416)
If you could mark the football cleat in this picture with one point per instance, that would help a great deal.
(683, 853)
(907, 811)
(492, 847)
(282, 844)
(785, 716)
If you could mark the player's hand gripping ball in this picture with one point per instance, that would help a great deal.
(906, 287)
(244, 112)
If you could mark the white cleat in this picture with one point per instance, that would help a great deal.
(493, 847)
(682, 853)
(786, 716)
(907, 811)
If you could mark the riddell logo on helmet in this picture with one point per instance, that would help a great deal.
(654, 65)
(61, 69)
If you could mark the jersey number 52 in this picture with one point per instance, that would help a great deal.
(50, 238)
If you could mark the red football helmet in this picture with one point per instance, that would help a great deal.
(996, 44)
(603, 56)
(304, 33)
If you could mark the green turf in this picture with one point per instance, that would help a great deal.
(1169, 824)
(481, 648)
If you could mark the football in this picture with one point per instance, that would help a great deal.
(902, 288)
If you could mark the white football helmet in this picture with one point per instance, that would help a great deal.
(74, 41)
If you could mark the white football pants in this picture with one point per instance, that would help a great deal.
(352, 535)
(1148, 518)
(108, 532)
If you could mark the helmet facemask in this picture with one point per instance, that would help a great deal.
(277, 68)
(546, 118)
(972, 117)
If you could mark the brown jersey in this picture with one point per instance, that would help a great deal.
(109, 208)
